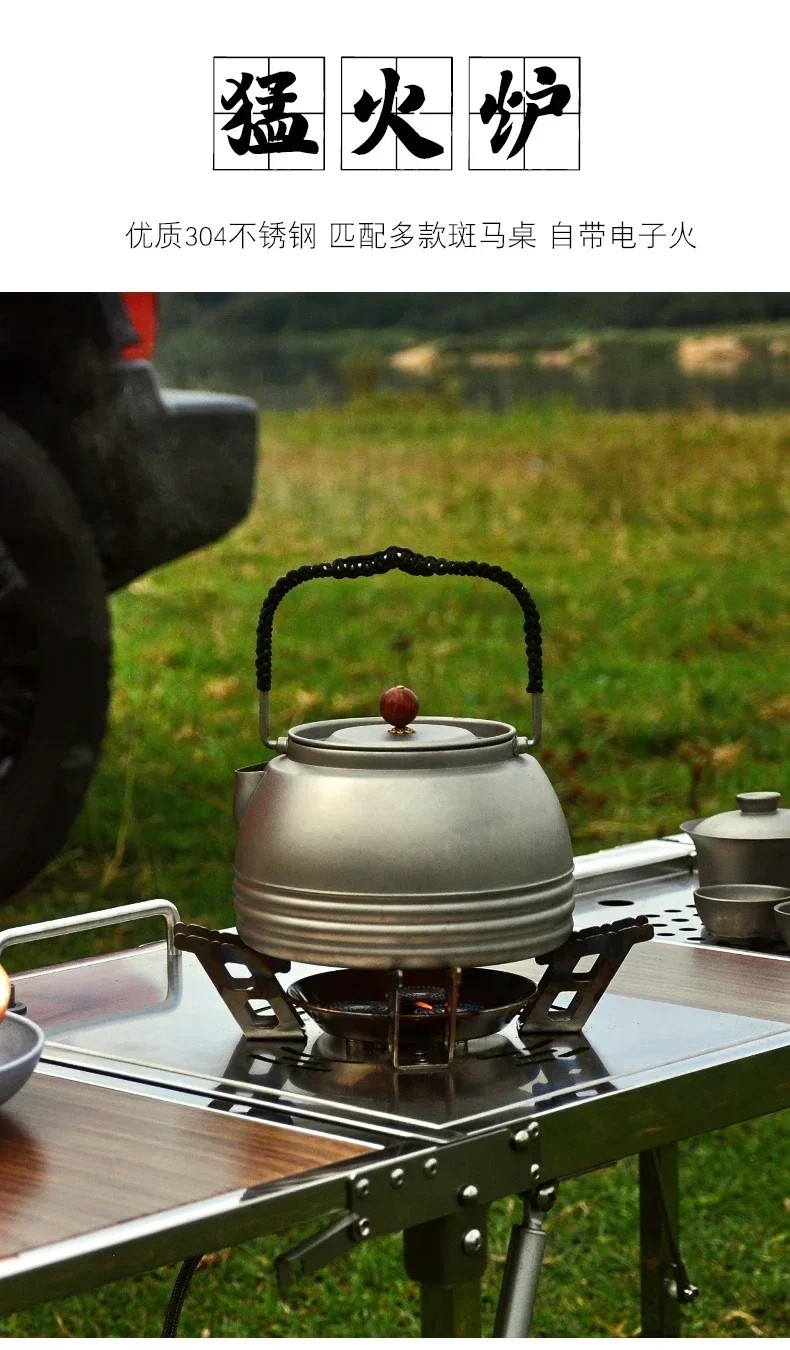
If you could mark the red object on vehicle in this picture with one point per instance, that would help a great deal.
(141, 306)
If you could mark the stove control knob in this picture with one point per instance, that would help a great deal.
(399, 706)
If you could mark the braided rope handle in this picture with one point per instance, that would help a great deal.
(414, 564)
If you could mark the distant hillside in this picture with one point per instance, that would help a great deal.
(599, 349)
(441, 314)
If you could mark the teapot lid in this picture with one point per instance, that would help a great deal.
(362, 734)
(399, 729)
(759, 817)
(371, 735)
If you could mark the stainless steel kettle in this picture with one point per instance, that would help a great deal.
(437, 841)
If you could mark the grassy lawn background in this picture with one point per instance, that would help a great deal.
(656, 547)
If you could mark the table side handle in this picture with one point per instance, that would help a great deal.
(98, 918)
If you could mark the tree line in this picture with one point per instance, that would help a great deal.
(456, 313)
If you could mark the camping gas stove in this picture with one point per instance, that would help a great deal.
(412, 1020)
(213, 1021)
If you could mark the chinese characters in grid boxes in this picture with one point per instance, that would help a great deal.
(396, 112)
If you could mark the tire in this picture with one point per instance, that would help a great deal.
(55, 658)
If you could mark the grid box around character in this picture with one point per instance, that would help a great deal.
(309, 88)
(424, 91)
(499, 138)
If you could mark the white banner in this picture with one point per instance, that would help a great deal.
(358, 146)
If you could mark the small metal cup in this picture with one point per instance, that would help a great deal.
(782, 917)
(740, 913)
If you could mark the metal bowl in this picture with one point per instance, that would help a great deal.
(740, 913)
(782, 917)
(21, 1043)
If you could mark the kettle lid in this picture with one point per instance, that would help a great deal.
(759, 817)
(371, 734)
(399, 729)
(438, 734)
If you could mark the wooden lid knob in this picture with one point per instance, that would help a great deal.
(399, 706)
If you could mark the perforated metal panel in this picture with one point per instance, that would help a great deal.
(663, 891)
(673, 917)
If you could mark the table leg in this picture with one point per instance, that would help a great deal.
(658, 1209)
(450, 1309)
(447, 1257)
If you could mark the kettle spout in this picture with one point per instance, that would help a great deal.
(246, 782)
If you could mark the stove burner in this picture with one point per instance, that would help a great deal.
(417, 1003)
(413, 1008)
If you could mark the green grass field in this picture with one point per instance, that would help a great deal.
(657, 549)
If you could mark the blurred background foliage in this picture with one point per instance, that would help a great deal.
(492, 350)
(475, 312)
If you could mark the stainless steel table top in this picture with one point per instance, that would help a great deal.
(157, 1025)
(184, 1038)
(697, 1037)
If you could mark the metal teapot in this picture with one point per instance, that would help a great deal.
(401, 841)
(750, 845)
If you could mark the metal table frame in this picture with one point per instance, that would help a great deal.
(438, 1190)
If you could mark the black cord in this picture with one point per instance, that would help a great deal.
(416, 565)
(180, 1290)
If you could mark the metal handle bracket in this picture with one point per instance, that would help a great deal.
(319, 1249)
(524, 743)
(98, 918)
